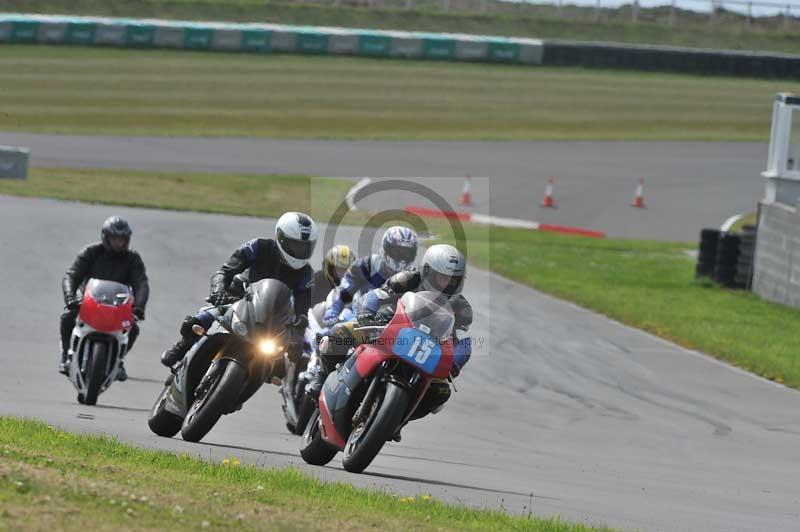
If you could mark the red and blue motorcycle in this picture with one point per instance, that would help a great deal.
(376, 391)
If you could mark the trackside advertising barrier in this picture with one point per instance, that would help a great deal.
(265, 38)
(274, 38)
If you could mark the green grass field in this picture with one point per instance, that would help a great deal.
(649, 285)
(53, 480)
(105, 91)
(503, 18)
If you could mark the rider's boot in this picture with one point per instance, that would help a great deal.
(122, 375)
(63, 366)
(318, 376)
(175, 354)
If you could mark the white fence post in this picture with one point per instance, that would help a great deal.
(672, 13)
(635, 11)
(786, 15)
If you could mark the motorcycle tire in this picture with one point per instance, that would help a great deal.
(223, 392)
(161, 421)
(364, 445)
(96, 372)
(313, 449)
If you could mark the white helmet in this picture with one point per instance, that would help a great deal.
(296, 236)
(443, 270)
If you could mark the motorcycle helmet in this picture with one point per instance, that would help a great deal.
(443, 270)
(115, 227)
(398, 250)
(296, 236)
(336, 262)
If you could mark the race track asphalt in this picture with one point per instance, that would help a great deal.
(560, 408)
(688, 185)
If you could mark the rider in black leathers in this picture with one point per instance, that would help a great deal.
(109, 260)
(284, 258)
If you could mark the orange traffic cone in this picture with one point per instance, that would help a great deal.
(638, 199)
(548, 195)
(466, 193)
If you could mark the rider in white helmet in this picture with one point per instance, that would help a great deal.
(284, 258)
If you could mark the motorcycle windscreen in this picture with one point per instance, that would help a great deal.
(429, 312)
(273, 305)
(108, 292)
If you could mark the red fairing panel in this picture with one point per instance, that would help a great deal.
(106, 318)
(327, 427)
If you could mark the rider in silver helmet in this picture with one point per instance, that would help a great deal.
(443, 270)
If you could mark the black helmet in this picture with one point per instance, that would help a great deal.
(115, 227)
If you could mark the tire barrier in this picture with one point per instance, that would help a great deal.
(727, 258)
(672, 59)
(274, 38)
(265, 38)
(707, 253)
(744, 263)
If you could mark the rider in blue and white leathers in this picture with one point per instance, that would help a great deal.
(397, 253)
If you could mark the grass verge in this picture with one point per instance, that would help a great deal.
(53, 479)
(247, 195)
(134, 92)
(730, 30)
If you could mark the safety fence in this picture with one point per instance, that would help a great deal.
(272, 38)
(265, 38)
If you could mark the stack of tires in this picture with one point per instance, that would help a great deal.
(744, 264)
(707, 254)
(727, 258)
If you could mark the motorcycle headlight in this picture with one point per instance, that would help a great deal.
(238, 326)
(268, 346)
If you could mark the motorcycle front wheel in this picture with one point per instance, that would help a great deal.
(222, 393)
(368, 436)
(95, 372)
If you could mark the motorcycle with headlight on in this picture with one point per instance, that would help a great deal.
(228, 364)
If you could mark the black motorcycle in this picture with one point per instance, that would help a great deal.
(228, 364)
(297, 405)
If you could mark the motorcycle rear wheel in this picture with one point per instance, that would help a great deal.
(367, 439)
(313, 448)
(220, 398)
(96, 372)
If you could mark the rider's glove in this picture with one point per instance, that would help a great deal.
(138, 313)
(294, 351)
(218, 298)
(299, 325)
(366, 318)
(73, 303)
